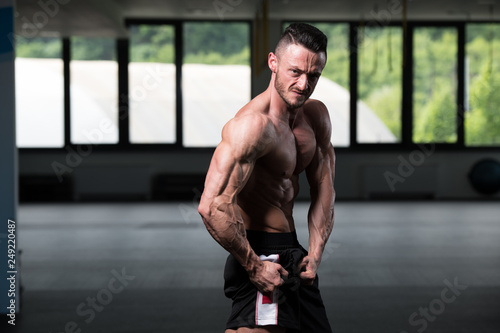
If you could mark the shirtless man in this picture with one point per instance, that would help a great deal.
(251, 186)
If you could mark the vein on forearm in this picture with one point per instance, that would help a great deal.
(321, 213)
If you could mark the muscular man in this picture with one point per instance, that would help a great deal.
(251, 186)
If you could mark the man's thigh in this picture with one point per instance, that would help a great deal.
(263, 329)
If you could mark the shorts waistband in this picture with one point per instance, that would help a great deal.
(272, 240)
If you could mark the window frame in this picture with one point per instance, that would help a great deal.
(406, 144)
(460, 88)
(408, 89)
(123, 59)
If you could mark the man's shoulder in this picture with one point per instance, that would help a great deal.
(316, 107)
(319, 118)
(249, 133)
(248, 122)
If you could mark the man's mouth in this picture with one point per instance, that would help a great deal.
(302, 93)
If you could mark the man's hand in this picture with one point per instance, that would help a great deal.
(268, 276)
(307, 268)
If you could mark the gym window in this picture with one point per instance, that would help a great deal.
(380, 83)
(168, 85)
(216, 78)
(435, 85)
(94, 91)
(152, 84)
(482, 83)
(39, 93)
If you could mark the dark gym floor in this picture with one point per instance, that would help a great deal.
(388, 267)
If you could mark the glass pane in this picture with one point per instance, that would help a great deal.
(152, 98)
(482, 120)
(216, 79)
(39, 93)
(94, 91)
(333, 85)
(380, 85)
(435, 85)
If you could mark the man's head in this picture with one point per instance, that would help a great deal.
(297, 63)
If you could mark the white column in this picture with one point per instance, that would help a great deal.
(8, 157)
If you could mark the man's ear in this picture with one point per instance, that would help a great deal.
(272, 62)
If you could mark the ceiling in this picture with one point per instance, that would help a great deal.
(106, 17)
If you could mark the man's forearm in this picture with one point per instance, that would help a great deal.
(321, 217)
(321, 213)
(229, 231)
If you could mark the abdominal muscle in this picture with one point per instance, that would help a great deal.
(266, 203)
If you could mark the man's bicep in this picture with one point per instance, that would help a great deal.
(321, 170)
(244, 140)
(227, 173)
(331, 158)
(323, 165)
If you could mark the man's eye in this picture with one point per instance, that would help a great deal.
(314, 77)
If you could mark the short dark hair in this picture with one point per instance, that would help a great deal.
(303, 34)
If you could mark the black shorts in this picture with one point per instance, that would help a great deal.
(295, 306)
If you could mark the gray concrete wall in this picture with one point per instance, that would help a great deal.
(360, 175)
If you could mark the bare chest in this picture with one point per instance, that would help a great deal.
(293, 152)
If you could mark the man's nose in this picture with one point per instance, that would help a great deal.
(302, 82)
